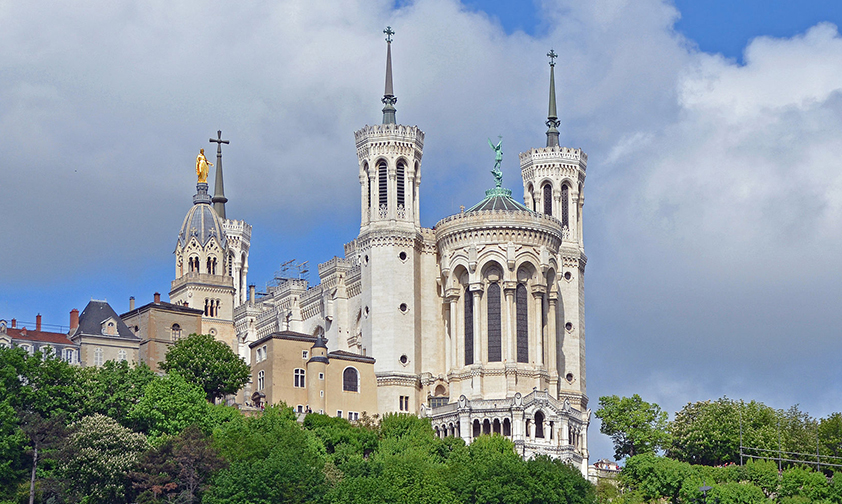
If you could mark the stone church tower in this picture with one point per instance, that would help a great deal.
(392, 251)
(211, 260)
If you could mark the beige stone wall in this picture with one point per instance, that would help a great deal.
(154, 326)
(338, 399)
(110, 349)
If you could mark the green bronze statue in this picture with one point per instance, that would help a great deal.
(498, 160)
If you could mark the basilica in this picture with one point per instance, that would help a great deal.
(477, 324)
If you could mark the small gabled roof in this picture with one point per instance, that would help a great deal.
(97, 312)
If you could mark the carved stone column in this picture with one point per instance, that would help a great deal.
(537, 336)
(476, 290)
(552, 336)
(509, 348)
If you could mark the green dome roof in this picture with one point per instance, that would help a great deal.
(498, 198)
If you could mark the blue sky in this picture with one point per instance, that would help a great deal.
(713, 215)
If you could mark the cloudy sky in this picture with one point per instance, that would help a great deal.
(713, 214)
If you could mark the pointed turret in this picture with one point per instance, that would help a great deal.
(552, 116)
(219, 198)
(389, 98)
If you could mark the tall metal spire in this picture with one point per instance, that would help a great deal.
(219, 198)
(552, 116)
(389, 98)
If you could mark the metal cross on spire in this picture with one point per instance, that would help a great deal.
(219, 198)
(552, 54)
(389, 98)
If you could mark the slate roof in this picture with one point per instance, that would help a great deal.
(97, 312)
(498, 199)
(201, 221)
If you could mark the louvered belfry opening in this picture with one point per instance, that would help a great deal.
(565, 195)
(522, 322)
(548, 199)
(382, 184)
(494, 324)
(400, 176)
(469, 328)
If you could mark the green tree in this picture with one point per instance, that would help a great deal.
(96, 458)
(111, 389)
(708, 432)
(830, 434)
(169, 404)
(272, 459)
(211, 364)
(635, 426)
(12, 448)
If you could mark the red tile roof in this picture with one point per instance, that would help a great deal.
(38, 336)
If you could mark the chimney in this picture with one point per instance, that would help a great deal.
(14, 323)
(131, 303)
(74, 319)
(251, 294)
(38, 322)
(157, 298)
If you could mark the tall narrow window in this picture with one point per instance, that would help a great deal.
(98, 356)
(299, 378)
(382, 184)
(522, 321)
(350, 380)
(176, 332)
(121, 355)
(548, 199)
(469, 327)
(261, 380)
(539, 425)
(400, 179)
(565, 194)
(494, 324)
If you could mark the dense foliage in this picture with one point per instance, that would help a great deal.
(120, 433)
(209, 363)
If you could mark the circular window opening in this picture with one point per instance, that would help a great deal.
(404, 359)
(568, 326)
(569, 377)
(213, 332)
(403, 307)
(567, 275)
(402, 256)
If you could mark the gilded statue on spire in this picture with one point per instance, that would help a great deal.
(202, 166)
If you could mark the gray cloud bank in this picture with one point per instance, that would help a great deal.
(713, 199)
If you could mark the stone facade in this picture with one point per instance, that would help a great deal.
(39, 341)
(103, 336)
(160, 324)
(477, 323)
(297, 369)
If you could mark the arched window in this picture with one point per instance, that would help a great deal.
(208, 264)
(261, 380)
(469, 328)
(298, 378)
(494, 324)
(507, 427)
(565, 195)
(400, 179)
(548, 199)
(539, 425)
(350, 380)
(176, 332)
(207, 308)
(476, 428)
(522, 321)
(382, 184)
